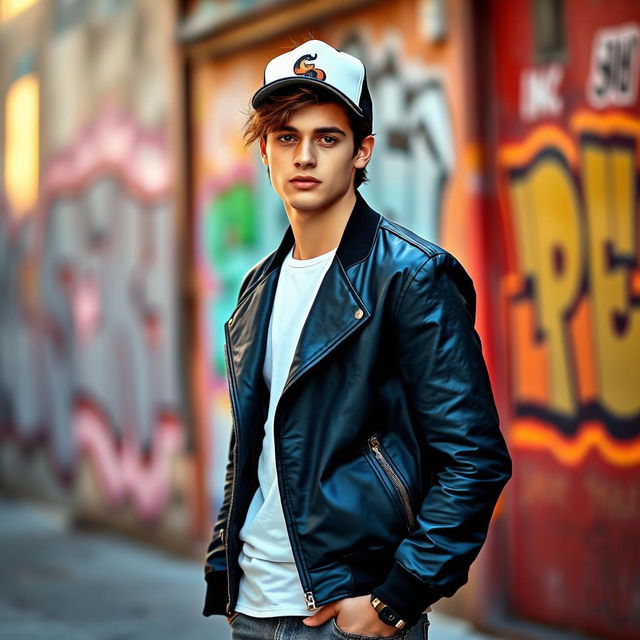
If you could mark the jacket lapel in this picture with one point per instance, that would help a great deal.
(337, 310)
(247, 341)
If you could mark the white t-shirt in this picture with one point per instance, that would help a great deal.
(270, 585)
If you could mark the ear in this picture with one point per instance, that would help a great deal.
(263, 152)
(365, 151)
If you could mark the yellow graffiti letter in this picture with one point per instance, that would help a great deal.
(548, 234)
(609, 179)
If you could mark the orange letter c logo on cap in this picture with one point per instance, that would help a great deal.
(302, 68)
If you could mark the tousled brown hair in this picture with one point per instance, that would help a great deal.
(281, 105)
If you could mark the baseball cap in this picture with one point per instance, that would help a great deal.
(318, 64)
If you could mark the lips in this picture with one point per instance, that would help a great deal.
(304, 182)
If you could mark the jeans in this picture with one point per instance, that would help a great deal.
(244, 627)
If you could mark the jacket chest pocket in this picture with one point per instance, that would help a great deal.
(380, 457)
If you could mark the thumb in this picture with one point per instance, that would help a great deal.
(324, 613)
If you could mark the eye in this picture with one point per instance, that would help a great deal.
(285, 135)
(330, 139)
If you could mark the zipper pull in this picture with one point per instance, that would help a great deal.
(310, 600)
(374, 443)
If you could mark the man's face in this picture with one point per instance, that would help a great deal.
(316, 143)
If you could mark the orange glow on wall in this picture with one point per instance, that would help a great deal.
(21, 152)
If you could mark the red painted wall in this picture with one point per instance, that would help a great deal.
(565, 138)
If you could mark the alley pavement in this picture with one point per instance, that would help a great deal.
(66, 584)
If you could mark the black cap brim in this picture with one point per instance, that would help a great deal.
(261, 95)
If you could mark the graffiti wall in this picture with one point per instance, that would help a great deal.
(89, 389)
(568, 154)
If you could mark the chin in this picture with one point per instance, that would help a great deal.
(307, 202)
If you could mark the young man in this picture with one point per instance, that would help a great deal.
(366, 457)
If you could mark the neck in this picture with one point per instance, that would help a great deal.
(319, 231)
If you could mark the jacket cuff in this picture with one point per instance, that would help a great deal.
(216, 596)
(405, 594)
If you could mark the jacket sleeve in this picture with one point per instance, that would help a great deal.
(215, 567)
(449, 393)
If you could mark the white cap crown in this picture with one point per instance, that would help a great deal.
(318, 63)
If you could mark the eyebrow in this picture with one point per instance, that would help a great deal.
(317, 130)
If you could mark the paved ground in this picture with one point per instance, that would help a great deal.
(75, 585)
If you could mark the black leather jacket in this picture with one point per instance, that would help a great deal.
(388, 449)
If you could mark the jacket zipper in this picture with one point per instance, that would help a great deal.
(309, 598)
(376, 447)
(224, 534)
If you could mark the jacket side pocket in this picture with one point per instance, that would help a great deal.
(383, 460)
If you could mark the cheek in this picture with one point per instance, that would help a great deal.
(275, 167)
(346, 165)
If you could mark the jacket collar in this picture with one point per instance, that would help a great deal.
(354, 245)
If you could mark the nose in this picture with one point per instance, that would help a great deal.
(305, 156)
